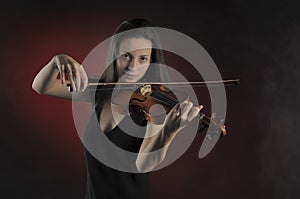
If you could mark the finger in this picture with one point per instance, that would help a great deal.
(186, 109)
(174, 113)
(200, 107)
(183, 105)
(76, 74)
(71, 77)
(63, 75)
(176, 110)
(193, 113)
(77, 80)
(173, 118)
(60, 68)
(84, 78)
(73, 86)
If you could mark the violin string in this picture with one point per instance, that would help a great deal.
(162, 97)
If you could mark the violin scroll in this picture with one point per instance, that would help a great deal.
(217, 129)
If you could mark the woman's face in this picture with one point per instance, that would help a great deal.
(134, 58)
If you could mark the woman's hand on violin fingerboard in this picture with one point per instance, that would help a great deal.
(181, 114)
(75, 72)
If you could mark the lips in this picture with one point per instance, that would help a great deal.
(130, 75)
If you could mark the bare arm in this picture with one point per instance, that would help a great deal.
(154, 148)
(46, 81)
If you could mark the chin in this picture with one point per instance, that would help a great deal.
(129, 80)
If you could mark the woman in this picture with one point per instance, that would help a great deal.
(130, 60)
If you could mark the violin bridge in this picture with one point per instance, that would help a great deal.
(145, 89)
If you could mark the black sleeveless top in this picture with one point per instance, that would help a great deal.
(104, 182)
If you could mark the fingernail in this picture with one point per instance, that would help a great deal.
(200, 106)
(188, 99)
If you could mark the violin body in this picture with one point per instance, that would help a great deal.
(153, 101)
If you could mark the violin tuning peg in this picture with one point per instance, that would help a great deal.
(208, 137)
(213, 116)
(222, 121)
(213, 133)
(202, 115)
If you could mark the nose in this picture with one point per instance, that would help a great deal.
(133, 63)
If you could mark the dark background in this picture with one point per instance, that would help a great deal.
(256, 41)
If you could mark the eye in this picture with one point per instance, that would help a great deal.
(125, 57)
(144, 58)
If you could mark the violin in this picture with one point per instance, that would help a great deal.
(141, 99)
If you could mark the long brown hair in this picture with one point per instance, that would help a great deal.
(133, 28)
(136, 28)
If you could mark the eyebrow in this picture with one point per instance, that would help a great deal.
(125, 52)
